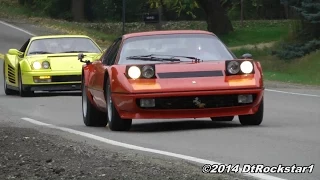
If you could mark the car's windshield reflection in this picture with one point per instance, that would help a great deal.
(204, 47)
(62, 45)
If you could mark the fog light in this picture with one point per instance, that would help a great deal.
(147, 103)
(245, 98)
(42, 79)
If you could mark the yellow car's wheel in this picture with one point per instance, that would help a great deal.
(22, 92)
(5, 86)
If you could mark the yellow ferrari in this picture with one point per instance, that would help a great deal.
(47, 63)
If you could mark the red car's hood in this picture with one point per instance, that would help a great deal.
(203, 76)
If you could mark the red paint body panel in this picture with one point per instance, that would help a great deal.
(127, 108)
(125, 91)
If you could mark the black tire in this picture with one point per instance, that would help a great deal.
(22, 92)
(254, 119)
(6, 89)
(91, 115)
(225, 118)
(116, 123)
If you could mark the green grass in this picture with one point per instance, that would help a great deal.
(255, 32)
(302, 70)
(252, 32)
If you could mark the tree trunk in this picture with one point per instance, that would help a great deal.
(286, 9)
(217, 18)
(242, 13)
(78, 10)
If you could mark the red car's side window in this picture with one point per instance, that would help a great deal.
(111, 53)
(105, 55)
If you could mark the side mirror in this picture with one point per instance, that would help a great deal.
(247, 56)
(15, 52)
(80, 58)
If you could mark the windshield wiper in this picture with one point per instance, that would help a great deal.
(152, 58)
(73, 51)
(40, 52)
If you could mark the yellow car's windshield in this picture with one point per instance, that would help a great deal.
(62, 45)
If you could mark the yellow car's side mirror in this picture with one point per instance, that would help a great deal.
(15, 52)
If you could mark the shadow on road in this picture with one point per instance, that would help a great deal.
(182, 125)
(47, 94)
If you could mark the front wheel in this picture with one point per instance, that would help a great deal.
(91, 115)
(253, 119)
(22, 92)
(116, 123)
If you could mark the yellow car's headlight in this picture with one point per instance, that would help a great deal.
(45, 65)
(36, 65)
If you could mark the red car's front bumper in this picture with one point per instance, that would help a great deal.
(128, 108)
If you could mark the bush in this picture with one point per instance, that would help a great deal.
(293, 51)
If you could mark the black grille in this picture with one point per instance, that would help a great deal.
(190, 102)
(11, 74)
(66, 78)
(190, 74)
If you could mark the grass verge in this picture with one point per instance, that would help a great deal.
(301, 71)
(252, 32)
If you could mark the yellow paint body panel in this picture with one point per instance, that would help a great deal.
(61, 64)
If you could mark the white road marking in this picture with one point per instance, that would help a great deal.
(139, 148)
(292, 93)
(17, 28)
(36, 122)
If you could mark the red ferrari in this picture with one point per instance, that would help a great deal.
(167, 75)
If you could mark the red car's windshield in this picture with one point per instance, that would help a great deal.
(202, 46)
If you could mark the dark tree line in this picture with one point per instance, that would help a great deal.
(217, 14)
(111, 10)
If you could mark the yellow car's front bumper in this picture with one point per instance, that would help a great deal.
(51, 81)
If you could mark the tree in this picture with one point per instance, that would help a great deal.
(309, 13)
(217, 19)
(77, 8)
(308, 37)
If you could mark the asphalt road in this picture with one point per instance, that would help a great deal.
(288, 135)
